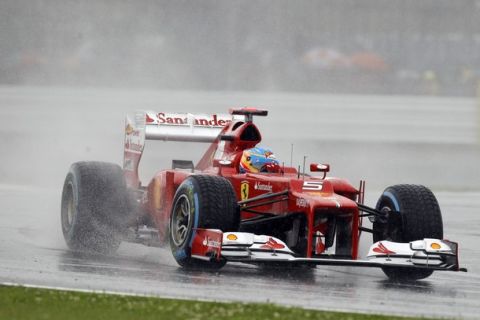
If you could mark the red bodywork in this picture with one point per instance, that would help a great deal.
(314, 197)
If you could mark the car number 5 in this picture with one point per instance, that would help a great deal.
(313, 185)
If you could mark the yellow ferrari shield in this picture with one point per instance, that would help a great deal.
(244, 188)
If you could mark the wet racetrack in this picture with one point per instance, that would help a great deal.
(32, 250)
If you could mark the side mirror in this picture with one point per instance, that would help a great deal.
(315, 167)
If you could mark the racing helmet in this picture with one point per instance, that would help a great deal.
(258, 160)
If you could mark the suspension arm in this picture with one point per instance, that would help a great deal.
(263, 197)
(370, 211)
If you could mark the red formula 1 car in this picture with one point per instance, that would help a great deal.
(216, 212)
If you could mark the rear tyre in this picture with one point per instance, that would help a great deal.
(95, 207)
(420, 217)
(201, 201)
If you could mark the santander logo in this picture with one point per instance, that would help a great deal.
(184, 119)
(263, 187)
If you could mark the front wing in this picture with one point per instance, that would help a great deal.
(211, 244)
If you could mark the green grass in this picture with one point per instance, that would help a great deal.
(30, 303)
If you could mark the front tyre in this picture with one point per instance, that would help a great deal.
(94, 207)
(201, 201)
(416, 215)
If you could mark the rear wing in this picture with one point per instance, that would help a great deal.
(149, 125)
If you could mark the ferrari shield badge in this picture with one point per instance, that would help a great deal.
(244, 188)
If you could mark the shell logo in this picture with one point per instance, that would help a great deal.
(232, 237)
(129, 129)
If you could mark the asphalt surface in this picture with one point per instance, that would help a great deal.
(384, 140)
(43, 130)
(32, 252)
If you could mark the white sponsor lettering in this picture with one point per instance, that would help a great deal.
(302, 203)
(211, 243)
(263, 187)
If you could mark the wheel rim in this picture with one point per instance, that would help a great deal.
(181, 220)
(70, 210)
(391, 232)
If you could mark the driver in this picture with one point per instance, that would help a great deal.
(258, 160)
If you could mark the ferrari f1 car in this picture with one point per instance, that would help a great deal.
(212, 213)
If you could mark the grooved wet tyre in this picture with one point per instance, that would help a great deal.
(201, 201)
(94, 207)
(420, 218)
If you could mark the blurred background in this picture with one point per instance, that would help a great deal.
(383, 90)
(341, 46)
